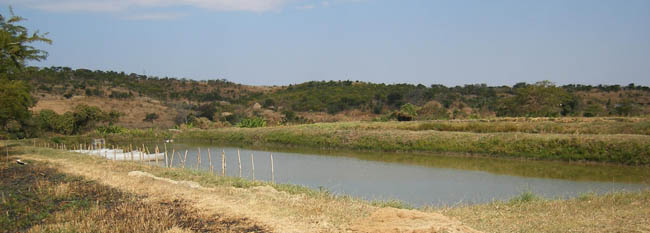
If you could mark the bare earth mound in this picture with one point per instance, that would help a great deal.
(411, 221)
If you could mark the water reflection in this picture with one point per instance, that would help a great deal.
(415, 178)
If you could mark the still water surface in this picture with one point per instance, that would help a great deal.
(418, 179)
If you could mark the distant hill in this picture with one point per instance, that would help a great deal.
(177, 100)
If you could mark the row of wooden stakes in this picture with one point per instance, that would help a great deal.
(169, 160)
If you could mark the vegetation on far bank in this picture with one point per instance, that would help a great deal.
(623, 149)
(604, 140)
(540, 125)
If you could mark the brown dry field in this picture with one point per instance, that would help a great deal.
(134, 109)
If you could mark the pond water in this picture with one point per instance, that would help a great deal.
(417, 179)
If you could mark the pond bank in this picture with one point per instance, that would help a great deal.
(602, 148)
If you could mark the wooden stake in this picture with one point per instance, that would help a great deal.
(239, 161)
(144, 154)
(114, 153)
(253, 165)
(198, 159)
(171, 163)
(156, 154)
(210, 158)
(131, 151)
(147, 150)
(184, 159)
(272, 170)
(223, 162)
(166, 162)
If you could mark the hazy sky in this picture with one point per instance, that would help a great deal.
(276, 42)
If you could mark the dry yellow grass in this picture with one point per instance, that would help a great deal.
(619, 212)
(36, 197)
(344, 116)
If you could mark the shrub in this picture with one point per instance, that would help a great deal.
(111, 129)
(291, 117)
(120, 95)
(268, 103)
(150, 117)
(81, 119)
(524, 197)
(406, 113)
(252, 123)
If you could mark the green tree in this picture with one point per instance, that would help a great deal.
(85, 117)
(536, 100)
(409, 109)
(627, 107)
(15, 51)
(15, 101)
(407, 112)
(15, 45)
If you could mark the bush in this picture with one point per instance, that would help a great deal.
(406, 113)
(524, 197)
(268, 103)
(150, 117)
(291, 117)
(120, 95)
(204, 123)
(81, 119)
(111, 129)
(252, 123)
(409, 109)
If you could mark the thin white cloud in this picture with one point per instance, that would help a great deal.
(121, 5)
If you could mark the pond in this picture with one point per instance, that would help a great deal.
(416, 179)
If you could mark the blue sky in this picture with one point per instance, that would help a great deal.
(278, 42)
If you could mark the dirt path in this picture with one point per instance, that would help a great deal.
(265, 206)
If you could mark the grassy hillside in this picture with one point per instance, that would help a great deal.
(332, 97)
(145, 101)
